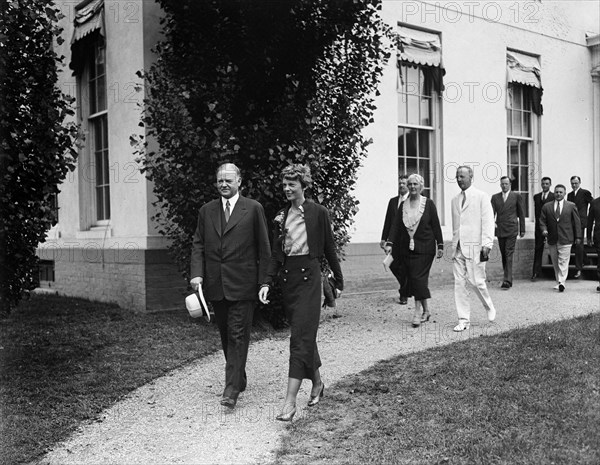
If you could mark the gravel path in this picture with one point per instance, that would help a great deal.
(177, 419)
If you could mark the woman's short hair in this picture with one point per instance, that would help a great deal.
(299, 173)
(418, 178)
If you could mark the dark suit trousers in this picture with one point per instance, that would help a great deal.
(507, 250)
(538, 252)
(597, 247)
(400, 273)
(579, 255)
(234, 320)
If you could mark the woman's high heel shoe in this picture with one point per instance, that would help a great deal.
(314, 400)
(287, 416)
(416, 322)
(425, 317)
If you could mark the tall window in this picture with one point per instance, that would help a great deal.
(415, 129)
(98, 126)
(520, 140)
(419, 87)
(523, 108)
(88, 62)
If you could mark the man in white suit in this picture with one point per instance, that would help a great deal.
(472, 240)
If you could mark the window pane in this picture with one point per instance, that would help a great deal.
(101, 93)
(411, 165)
(523, 178)
(527, 124)
(516, 123)
(524, 149)
(517, 97)
(424, 170)
(513, 152)
(425, 111)
(413, 109)
(401, 142)
(509, 122)
(423, 144)
(402, 108)
(411, 142)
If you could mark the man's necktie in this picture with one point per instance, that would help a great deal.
(557, 210)
(227, 211)
(543, 197)
(464, 199)
(504, 196)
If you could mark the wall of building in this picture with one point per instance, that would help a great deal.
(125, 262)
(475, 37)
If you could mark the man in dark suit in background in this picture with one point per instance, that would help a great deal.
(230, 256)
(539, 200)
(395, 268)
(510, 222)
(561, 226)
(582, 199)
(593, 232)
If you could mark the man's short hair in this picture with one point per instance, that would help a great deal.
(504, 177)
(403, 176)
(575, 177)
(560, 185)
(468, 168)
(223, 166)
(546, 178)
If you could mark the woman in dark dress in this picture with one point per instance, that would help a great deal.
(302, 238)
(414, 237)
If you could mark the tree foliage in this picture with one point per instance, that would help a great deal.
(261, 84)
(36, 144)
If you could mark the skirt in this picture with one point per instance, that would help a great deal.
(417, 267)
(300, 280)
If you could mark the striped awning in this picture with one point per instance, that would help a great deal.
(88, 19)
(419, 47)
(523, 69)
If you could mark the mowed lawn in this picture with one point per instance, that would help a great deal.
(64, 360)
(530, 396)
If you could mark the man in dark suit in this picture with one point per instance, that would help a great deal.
(539, 200)
(397, 270)
(582, 199)
(230, 256)
(561, 227)
(510, 222)
(593, 232)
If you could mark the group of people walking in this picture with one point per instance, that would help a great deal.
(411, 234)
(234, 263)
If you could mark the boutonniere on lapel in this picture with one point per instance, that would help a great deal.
(278, 222)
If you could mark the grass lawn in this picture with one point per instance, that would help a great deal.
(531, 396)
(64, 360)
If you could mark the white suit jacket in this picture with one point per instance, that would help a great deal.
(473, 223)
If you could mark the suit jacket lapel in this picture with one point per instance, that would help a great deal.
(239, 211)
(215, 216)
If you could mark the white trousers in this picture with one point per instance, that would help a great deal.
(560, 256)
(467, 272)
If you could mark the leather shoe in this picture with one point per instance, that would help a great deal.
(287, 416)
(577, 275)
(561, 288)
(314, 400)
(228, 402)
(461, 326)
(534, 277)
(403, 301)
(505, 285)
(491, 314)
(598, 288)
